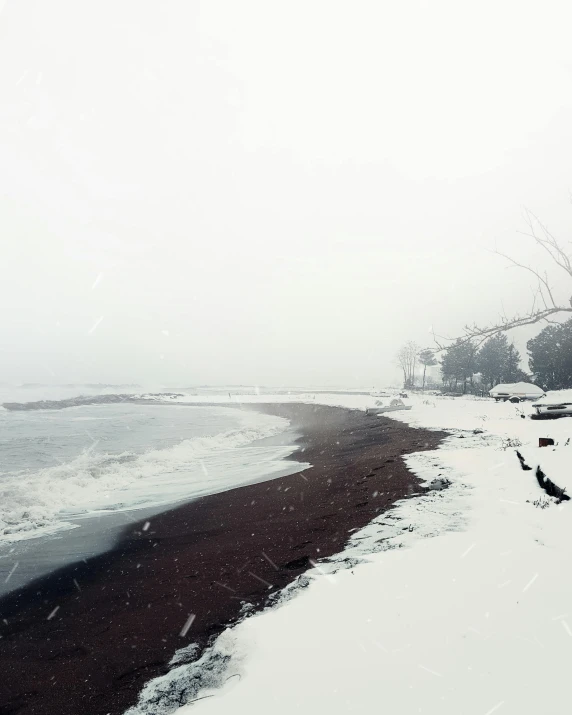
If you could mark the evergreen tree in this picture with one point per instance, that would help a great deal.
(492, 360)
(551, 356)
(499, 361)
(427, 359)
(458, 364)
(514, 373)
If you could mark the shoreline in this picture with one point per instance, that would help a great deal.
(93, 534)
(87, 637)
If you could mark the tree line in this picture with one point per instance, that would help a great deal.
(467, 366)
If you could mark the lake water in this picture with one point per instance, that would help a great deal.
(85, 472)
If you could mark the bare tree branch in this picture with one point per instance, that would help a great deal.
(541, 279)
(548, 242)
(544, 304)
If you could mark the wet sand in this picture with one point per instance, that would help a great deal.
(86, 638)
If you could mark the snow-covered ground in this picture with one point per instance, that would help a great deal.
(458, 602)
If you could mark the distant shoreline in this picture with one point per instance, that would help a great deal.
(81, 400)
(152, 398)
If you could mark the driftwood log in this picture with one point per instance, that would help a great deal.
(553, 490)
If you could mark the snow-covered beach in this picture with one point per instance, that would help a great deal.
(454, 599)
(280, 283)
(461, 603)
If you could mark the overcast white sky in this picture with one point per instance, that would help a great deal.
(269, 192)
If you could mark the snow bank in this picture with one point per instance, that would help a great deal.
(505, 425)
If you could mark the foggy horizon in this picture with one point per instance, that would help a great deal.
(267, 194)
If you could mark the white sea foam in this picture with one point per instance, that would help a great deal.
(35, 502)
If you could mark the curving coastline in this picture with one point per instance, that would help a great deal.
(86, 638)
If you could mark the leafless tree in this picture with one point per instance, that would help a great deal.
(407, 359)
(544, 305)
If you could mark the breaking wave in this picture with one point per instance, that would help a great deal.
(36, 502)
